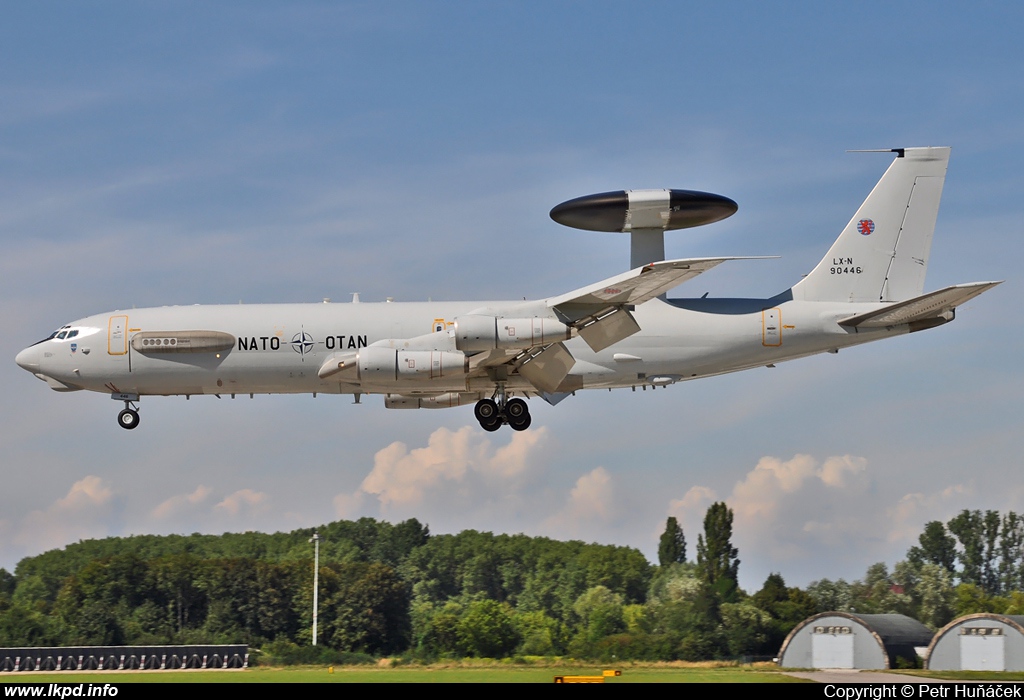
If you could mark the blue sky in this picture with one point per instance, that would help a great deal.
(181, 153)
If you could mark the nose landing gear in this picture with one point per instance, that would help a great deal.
(493, 414)
(129, 417)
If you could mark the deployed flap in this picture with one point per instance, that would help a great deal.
(547, 369)
(932, 305)
(491, 358)
(609, 330)
(634, 287)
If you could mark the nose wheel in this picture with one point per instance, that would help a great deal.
(493, 414)
(129, 417)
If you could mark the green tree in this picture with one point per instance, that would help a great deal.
(746, 628)
(600, 613)
(23, 627)
(970, 599)
(936, 547)
(436, 629)
(968, 526)
(990, 566)
(540, 633)
(672, 545)
(772, 593)
(716, 557)
(7, 582)
(1011, 553)
(937, 596)
(831, 595)
(177, 578)
(786, 607)
(487, 630)
(879, 593)
(369, 610)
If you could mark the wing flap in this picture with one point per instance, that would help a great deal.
(933, 305)
(548, 369)
(610, 329)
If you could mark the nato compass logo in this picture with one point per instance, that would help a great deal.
(302, 343)
(866, 227)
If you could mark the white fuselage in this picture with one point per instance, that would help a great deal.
(278, 348)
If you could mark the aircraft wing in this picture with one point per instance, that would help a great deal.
(636, 286)
(601, 312)
(934, 305)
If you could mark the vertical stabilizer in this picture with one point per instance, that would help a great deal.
(882, 254)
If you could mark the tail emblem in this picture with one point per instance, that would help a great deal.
(866, 227)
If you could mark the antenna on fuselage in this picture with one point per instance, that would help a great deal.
(645, 215)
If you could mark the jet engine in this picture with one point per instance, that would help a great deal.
(479, 333)
(379, 364)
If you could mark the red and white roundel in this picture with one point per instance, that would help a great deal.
(866, 227)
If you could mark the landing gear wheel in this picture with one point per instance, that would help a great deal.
(486, 410)
(492, 424)
(515, 409)
(517, 413)
(128, 419)
(521, 423)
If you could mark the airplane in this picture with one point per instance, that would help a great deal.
(620, 333)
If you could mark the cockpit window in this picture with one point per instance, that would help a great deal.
(67, 333)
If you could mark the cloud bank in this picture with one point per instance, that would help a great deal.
(789, 513)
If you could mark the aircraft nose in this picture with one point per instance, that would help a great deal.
(28, 359)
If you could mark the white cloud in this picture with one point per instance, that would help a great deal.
(911, 511)
(457, 469)
(461, 479)
(592, 501)
(202, 506)
(403, 477)
(788, 513)
(175, 505)
(769, 490)
(244, 502)
(87, 511)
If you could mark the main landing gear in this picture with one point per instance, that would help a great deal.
(129, 417)
(493, 414)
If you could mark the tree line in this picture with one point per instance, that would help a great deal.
(388, 589)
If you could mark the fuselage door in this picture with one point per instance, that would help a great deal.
(771, 328)
(117, 335)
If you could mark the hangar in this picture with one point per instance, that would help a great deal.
(979, 642)
(851, 640)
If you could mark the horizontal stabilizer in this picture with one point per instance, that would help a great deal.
(933, 305)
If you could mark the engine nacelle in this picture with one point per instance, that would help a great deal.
(478, 333)
(380, 364)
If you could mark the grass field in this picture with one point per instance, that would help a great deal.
(496, 673)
